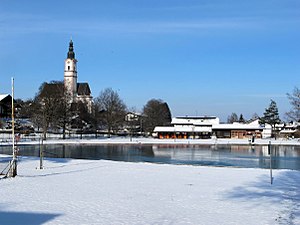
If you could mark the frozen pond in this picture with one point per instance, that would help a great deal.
(284, 157)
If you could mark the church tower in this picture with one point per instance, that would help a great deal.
(70, 74)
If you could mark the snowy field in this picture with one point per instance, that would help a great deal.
(105, 192)
(5, 139)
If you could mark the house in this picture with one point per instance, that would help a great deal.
(290, 130)
(5, 105)
(133, 123)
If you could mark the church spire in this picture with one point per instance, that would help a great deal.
(71, 53)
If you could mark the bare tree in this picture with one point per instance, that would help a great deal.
(52, 107)
(82, 118)
(232, 118)
(25, 108)
(64, 111)
(111, 110)
(156, 113)
(294, 98)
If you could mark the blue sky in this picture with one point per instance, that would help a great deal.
(210, 57)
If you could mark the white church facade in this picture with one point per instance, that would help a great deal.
(77, 92)
(80, 92)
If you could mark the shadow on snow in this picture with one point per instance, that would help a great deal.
(25, 218)
(285, 191)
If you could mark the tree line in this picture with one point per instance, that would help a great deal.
(271, 114)
(53, 109)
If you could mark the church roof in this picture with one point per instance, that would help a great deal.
(83, 89)
(71, 53)
(56, 88)
(51, 89)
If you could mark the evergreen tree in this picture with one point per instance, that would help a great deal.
(241, 119)
(271, 116)
(232, 118)
(255, 116)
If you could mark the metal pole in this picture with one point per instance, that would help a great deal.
(270, 152)
(14, 160)
(41, 153)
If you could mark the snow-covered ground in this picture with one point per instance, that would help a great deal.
(128, 140)
(106, 192)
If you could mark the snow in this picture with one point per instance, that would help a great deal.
(71, 191)
(3, 96)
(128, 140)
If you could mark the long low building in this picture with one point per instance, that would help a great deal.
(208, 126)
(183, 132)
(238, 130)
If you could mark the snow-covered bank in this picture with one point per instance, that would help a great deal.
(106, 192)
(128, 140)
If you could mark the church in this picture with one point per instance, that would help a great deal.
(80, 92)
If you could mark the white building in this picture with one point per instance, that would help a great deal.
(188, 127)
(208, 126)
(239, 130)
(80, 92)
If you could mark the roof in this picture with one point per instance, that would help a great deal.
(288, 131)
(51, 89)
(71, 53)
(196, 117)
(83, 89)
(3, 96)
(182, 129)
(6, 98)
(197, 121)
(237, 126)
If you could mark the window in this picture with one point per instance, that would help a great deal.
(68, 67)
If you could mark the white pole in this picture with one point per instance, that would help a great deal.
(13, 117)
(270, 152)
(14, 160)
